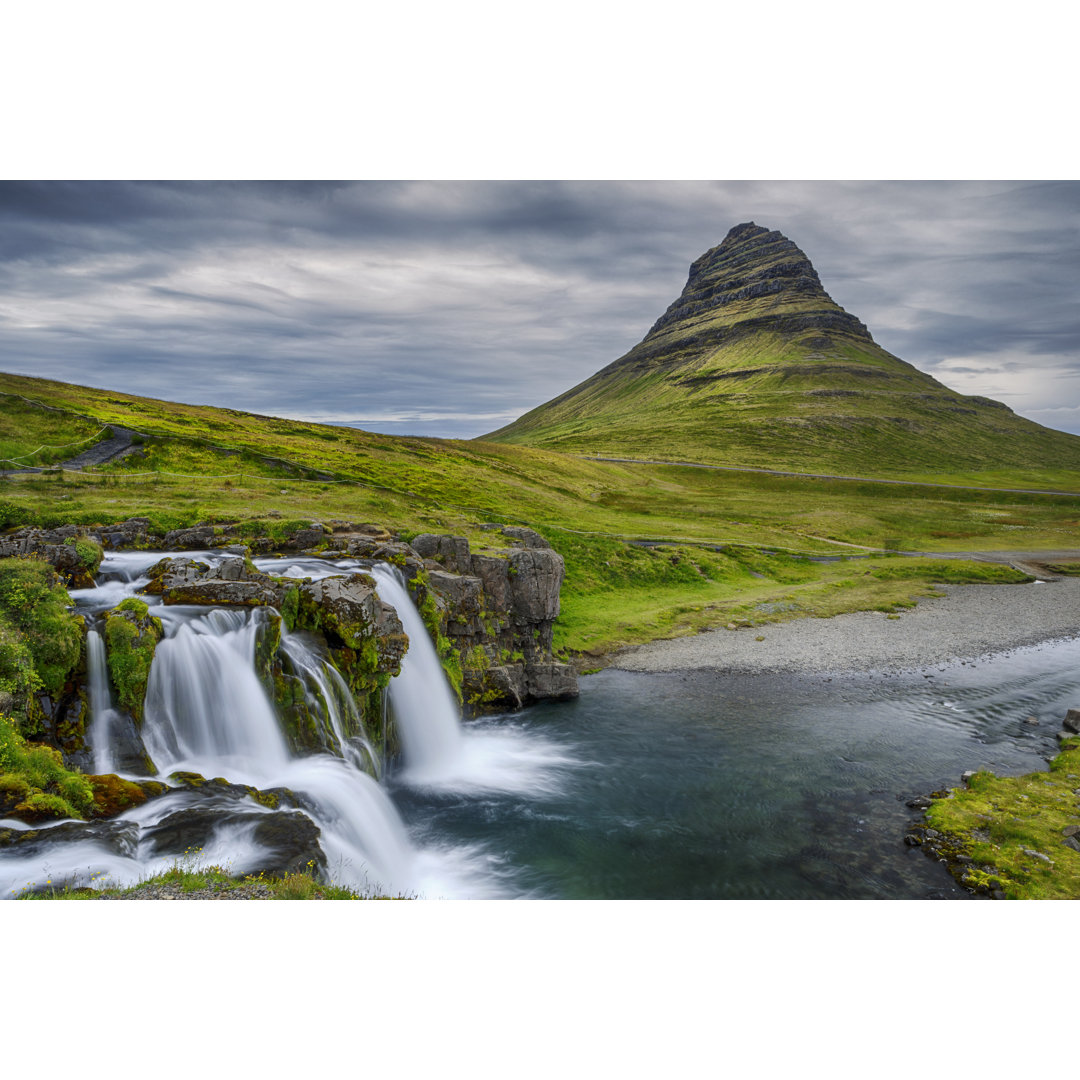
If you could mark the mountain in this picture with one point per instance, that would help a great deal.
(754, 364)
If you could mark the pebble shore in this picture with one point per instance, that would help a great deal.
(969, 622)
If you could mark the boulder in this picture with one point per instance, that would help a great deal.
(200, 536)
(451, 551)
(1072, 721)
(348, 606)
(551, 680)
(536, 576)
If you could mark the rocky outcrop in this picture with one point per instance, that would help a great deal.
(73, 553)
(498, 609)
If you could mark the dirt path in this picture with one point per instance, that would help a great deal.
(118, 445)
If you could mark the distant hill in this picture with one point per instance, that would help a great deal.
(754, 364)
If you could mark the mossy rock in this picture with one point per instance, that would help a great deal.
(132, 636)
(113, 794)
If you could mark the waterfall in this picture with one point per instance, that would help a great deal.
(439, 753)
(205, 707)
(207, 711)
(423, 704)
(328, 692)
(102, 713)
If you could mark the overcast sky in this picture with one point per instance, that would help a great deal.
(450, 308)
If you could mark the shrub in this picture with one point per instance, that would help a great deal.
(34, 606)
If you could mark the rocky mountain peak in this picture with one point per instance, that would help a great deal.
(754, 274)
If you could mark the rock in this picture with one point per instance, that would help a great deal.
(117, 837)
(290, 838)
(1072, 842)
(1032, 720)
(1072, 721)
(529, 537)
(464, 599)
(451, 551)
(349, 607)
(1036, 854)
(303, 539)
(200, 536)
(1070, 830)
(965, 778)
(551, 680)
(494, 573)
(536, 577)
(920, 802)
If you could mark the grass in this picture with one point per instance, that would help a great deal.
(257, 472)
(34, 784)
(1012, 830)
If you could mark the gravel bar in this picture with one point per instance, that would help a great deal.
(969, 622)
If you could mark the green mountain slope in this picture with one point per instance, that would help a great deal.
(754, 364)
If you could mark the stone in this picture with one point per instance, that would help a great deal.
(965, 777)
(529, 537)
(200, 536)
(536, 577)
(451, 551)
(551, 681)
(1072, 721)
(349, 606)
(1032, 720)
(1072, 842)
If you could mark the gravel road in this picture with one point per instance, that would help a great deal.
(970, 621)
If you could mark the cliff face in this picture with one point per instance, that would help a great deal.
(754, 364)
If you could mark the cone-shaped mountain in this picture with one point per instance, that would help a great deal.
(754, 364)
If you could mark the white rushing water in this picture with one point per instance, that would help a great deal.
(99, 733)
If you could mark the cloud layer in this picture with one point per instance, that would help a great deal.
(449, 308)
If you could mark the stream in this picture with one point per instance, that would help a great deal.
(648, 786)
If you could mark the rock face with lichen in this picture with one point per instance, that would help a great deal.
(498, 611)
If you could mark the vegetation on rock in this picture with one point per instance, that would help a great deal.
(131, 636)
(34, 784)
(1013, 837)
(40, 639)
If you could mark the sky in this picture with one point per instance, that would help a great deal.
(448, 308)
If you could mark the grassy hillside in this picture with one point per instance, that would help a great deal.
(754, 364)
(197, 463)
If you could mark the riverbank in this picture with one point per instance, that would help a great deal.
(967, 622)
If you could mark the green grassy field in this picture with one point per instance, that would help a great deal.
(203, 464)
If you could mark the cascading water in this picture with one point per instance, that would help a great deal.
(424, 707)
(101, 707)
(328, 692)
(438, 753)
(207, 712)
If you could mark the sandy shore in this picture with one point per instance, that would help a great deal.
(968, 622)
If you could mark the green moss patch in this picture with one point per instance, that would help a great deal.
(1011, 835)
(40, 639)
(131, 636)
(34, 784)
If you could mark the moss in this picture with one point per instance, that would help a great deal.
(40, 639)
(1007, 834)
(35, 785)
(113, 795)
(131, 638)
(290, 607)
